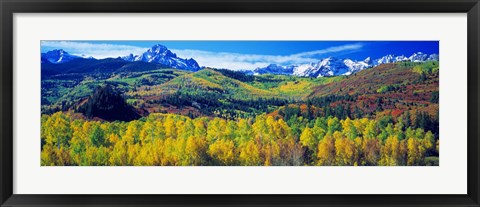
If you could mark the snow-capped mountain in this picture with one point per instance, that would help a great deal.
(131, 57)
(433, 57)
(161, 54)
(326, 67)
(355, 66)
(385, 59)
(418, 57)
(276, 69)
(157, 54)
(57, 56)
(333, 66)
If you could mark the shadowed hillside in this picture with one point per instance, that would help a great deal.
(107, 104)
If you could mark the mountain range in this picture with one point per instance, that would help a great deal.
(157, 55)
(332, 66)
(160, 55)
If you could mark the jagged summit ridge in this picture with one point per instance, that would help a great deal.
(57, 56)
(332, 66)
(161, 54)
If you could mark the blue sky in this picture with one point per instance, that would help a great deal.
(249, 54)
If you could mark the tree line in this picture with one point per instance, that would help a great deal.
(175, 140)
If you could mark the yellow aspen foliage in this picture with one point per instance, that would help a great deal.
(113, 138)
(86, 127)
(403, 150)
(250, 154)
(222, 151)
(429, 141)
(358, 154)
(189, 129)
(170, 128)
(200, 128)
(333, 125)
(119, 155)
(245, 131)
(181, 130)
(282, 130)
(370, 130)
(52, 156)
(270, 122)
(216, 129)
(231, 130)
(132, 134)
(260, 129)
(96, 135)
(48, 156)
(145, 156)
(196, 149)
(159, 131)
(147, 134)
(132, 153)
(57, 130)
(318, 133)
(292, 153)
(361, 125)
(176, 140)
(63, 156)
(326, 151)
(308, 140)
(181, 157)
(271, 153)
(415, 155)
(390, 152)
(419, 133)
(96, 156)
(371, 151)
(169, 157)
(103, 155)
(78, 144)
(344, 151)
(349, 129)
(158, 151)
(44, 127)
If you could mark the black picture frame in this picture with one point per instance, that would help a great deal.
(9, 7)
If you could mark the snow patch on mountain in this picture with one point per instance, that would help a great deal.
(276, 69)
(57, 56)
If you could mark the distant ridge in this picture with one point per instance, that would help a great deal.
(332, 66)
(159, 55)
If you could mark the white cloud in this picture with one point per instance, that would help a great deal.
(98, 51)
(237, 61)
(234, 61)
(342, 48)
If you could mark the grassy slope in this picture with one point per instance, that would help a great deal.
(292, 87)
(140, 87)
(265, 86)
(227, 89)
(63, 88)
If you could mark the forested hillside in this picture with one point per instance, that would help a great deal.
(162, 139)
(137, 113)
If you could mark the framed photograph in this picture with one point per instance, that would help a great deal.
(239, 103)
